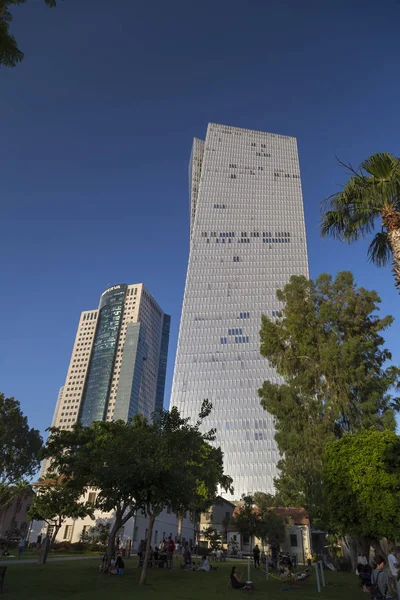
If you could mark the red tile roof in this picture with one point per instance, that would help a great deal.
(297, 515)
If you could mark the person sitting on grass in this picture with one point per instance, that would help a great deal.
(236, 582)
(118, 567)
(205, 565)
(187, 557)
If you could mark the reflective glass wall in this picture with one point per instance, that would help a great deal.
(98, 381)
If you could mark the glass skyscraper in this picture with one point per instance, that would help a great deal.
(119, 359)
(247, 237)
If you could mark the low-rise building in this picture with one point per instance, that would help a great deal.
(134, 530)
(14, 520)
(218, 517)
(297, 539)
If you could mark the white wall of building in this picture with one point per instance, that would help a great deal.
(247, 239)
(135, 529)
(294, 533)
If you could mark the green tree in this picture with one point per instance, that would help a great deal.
(141, 466)
(259, 520)
(107, 457)
(264, 501)
(20, 446)
(327, 347)
(247, 520)
(370, 198)
(190, 469)
(10, 54)
(212, 535)
(225, 524)
(273, 530)
(99, 534)
(362, 485)
(56, 501)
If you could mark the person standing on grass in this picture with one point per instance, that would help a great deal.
(39, 542)
(21, 547)
(394, 569)
(170, 552)
(256, 556)
(379, 580)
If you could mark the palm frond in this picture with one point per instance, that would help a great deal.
(379, 251)
(381, 165)
(332, 224)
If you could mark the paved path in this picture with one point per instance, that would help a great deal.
(29, 561)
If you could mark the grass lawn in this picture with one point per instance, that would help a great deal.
(80, 579)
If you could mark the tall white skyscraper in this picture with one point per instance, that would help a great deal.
(247, 237)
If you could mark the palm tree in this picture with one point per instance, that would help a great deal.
(371, 193)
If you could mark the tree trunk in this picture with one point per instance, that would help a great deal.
(147, 553)
(349, 547)
(394, 239)
(55, 532)
(111, 539)
(365, 543)
(180, 522)
(391, 220)
(378, 548)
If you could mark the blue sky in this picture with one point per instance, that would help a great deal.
(97, 124)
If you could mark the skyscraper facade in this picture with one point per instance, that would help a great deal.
(117, 369)
(118, 363)
(247, 237)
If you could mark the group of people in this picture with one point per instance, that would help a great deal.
(116, 566)
(384, 580)
(218, 555)
(164, 552)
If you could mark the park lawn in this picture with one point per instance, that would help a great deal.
(80, 579)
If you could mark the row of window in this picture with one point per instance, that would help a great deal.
(233, 166)
(287, 175)
(243, 234)
(247, 241)
(238, 339)
(89, 317)
(219, 205)
(244, 315)
(235, 331)
(235, 259)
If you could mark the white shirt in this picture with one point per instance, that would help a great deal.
(362, 560)
(392, 560)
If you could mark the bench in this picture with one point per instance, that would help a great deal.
(2, 577)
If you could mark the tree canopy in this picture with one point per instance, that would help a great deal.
(20, 446)
(10, 54)
(370, 199)
(259, 520)
(327, 346)
(362, 484)
(213, 536)
(142, 466)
